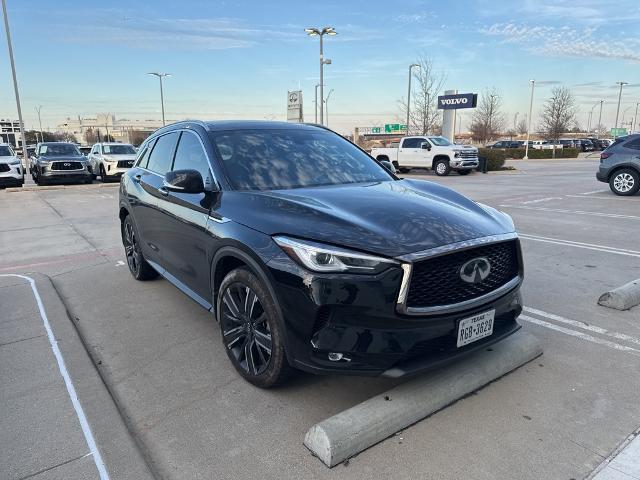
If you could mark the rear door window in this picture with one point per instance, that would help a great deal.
(161, 157)
(191, 156)
(635, 144)
(412, 142)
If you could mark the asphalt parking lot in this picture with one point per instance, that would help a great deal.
(191, 416)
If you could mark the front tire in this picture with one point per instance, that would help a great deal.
(103, 175)
(442, 168)
(251, 329)
(138, 266)
(625, 182)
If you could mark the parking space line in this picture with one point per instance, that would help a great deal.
(610, 197)
(593, 191)
(84, 424)
(540, 200)
(581, 335)
(574, 212)
(583, 325)
(588, 246)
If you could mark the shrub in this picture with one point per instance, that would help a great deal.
(495, 158)
(518, 153)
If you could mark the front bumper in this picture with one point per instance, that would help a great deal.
(358, 317)
(64, 175)
(112, 169)
(464, 164)
(14, 176)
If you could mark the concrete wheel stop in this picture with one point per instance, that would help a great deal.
(348, 433)
(622, 298)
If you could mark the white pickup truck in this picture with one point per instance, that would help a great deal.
(436, 153)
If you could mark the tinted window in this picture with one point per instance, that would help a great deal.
(290, 158)
(412, 142)
(190, 155)
(144, 154)
(59, 149)
(119, 150)
(161, 156)
(440, 141)
(5, 151)
(635, 144)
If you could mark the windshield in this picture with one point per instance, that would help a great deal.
(118, 150)
(60, 149)
(5, 151)
(288, 158)
(440, 141)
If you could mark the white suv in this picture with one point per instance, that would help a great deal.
(111, 160)
(11, 170)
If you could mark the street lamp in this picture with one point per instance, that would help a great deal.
(634, 127)
(625, 113)
(491, 114)
(526, 148)
(327, 102)
(591, 116)
(15, 82)
(160, 76)
(409, 94)
(316, 102)
(618, 110)
(312, 32)
(599, 120)
(38, 108)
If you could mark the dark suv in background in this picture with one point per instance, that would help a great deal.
(313, 256)
(620, 165)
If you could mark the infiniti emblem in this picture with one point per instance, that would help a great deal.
(67, 164)
(475, 270)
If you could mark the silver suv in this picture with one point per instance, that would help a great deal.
(111, 160)
(620, 165)
(11, 170)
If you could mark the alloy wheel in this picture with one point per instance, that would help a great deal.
(245, 329)
(131, 247)
(623, 182)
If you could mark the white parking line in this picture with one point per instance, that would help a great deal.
(581, 335)
(588, 246)
(574, 212)
(593, 191)
(86, 429)
(540, 200)
(609, 197)
(583, 325)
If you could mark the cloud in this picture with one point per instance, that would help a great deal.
(565, 41)
(415, 17)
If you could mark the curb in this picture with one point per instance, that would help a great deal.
(622, 298)
(346, 434)
(35, 188)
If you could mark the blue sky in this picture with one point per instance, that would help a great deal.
(237, 59)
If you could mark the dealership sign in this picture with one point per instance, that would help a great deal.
(294, 107)
(454, 102)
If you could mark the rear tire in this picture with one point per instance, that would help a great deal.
(138, 266)
(442, 168)
(625, 182)
(251, 329)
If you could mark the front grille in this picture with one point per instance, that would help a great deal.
(66, 166)
(125, 163)
(464, 154)
(4, 167)
(436, 281)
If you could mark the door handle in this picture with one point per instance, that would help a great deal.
(136, 178)
(163, 191)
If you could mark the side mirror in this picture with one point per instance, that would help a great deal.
(388, 165)
(425, 146)
(184, 181)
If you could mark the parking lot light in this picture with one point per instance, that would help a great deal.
(622, 84)
(160, 76)
(409, 94)
(38, 108)
(634, 126)
(316, 32)
(599, 119)
(526, 148)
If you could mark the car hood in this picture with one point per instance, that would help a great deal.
(8, 159)
(388, 218)
(62, 158)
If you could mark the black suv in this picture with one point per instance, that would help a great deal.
(313, 256)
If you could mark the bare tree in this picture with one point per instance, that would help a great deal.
(65, 137)
(487, 120)
(136, 137)
(424, 117)
(558, 114)
(90, 136)
(522, 126)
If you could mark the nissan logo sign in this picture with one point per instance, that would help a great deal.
(475, 270)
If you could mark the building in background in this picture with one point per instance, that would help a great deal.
(10, 132)
(93, 129)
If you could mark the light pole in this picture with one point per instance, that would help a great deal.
(316, 102)
(38, 108)
(618, 110)
(625, 113)
(591, 116)
(327, 102)
(312, 32)
(526, 148)
(409, 94)
(599, 120)
(491, 115)
(15, 82)
(634, 127)
(160, 76)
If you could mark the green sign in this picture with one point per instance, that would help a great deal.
(376, 129)
(618, 132)
(394, 128)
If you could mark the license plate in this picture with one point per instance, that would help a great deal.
(474, 328)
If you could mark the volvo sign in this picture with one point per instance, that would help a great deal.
(458, 100)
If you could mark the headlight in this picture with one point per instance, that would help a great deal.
(325, 258)
(15, 161)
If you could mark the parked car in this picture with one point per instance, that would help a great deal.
(586, 145)
(111, 160)
(567, 143)
(505, 144)
(620, 165)
(11, 169)
(598, 144)
(542, 145)
(436, 153)
(84, 149)
(606, 142)
(312, 256)
(59, 162)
